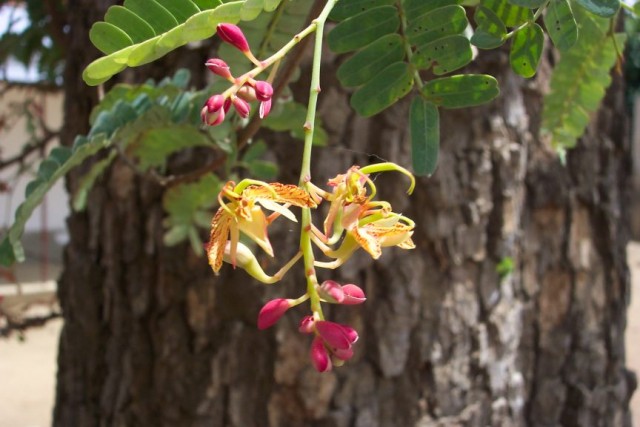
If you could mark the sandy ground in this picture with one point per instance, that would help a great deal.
(28, 369)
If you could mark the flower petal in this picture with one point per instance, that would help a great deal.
(320, 356)
(333, 334)
(256, 229)
(281, 193)
(272, 311)
(273, 206)
(220, 224)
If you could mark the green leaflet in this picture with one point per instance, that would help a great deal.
(346, 9)
(51, 170)
(363, 28)
(579, 81)
(603, 8)
(561, 25)
(187, 208)
(511, 15)
(531, 4)
(424, 122)
(526, 50)
(459, 91)
(490, 32)
(141, 31)
(86, 183)
(445, 55)
(365, 64)
(384, 90)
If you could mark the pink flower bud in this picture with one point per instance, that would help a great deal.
(350, 333)
(219, 67)
(331, 292)
(272, 312)
(353, 295)
(306, 325)
(233, 35)
(344, 354)
(319, 356)
(264, 90)
(333, 334)
(242, 107)
(213, 112)
(265, 107)
(247, 93)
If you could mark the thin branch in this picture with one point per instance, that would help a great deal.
(28, 149)
(22, 325)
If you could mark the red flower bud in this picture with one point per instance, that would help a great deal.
(331, 292)
(219, 67)
(265, 107)
(333, 334)
(233, 35)
(213, 111)
(242, 107)
(353, 295)
(272, 312)
(319, 356)
(306, 325)
(264, 90)
(247, 93)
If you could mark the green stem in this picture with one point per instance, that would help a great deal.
(305, 170)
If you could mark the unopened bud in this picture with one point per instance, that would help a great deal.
(353, 295)
(306, 325)
(219, 67)
(264, 90)
(242, 107)
(265, 108)
(320, 356)
(247, 93)
(272, 312)
(233, 35)
(331, 292)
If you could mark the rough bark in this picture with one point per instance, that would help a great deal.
(151, 337)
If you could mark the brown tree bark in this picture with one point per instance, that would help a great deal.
(152, 338)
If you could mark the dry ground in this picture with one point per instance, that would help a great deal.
(27, 369)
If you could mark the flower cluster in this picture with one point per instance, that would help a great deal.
(354, 220)
(244, 89)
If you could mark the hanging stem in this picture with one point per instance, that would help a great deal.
(305, 170)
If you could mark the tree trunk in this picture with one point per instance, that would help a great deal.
(152, 338)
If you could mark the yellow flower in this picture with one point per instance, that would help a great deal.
(243, 213)
(364, 222)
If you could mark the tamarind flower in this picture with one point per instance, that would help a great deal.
(365, 223)
(243, 213)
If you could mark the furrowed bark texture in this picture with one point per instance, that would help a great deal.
(152, 338)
